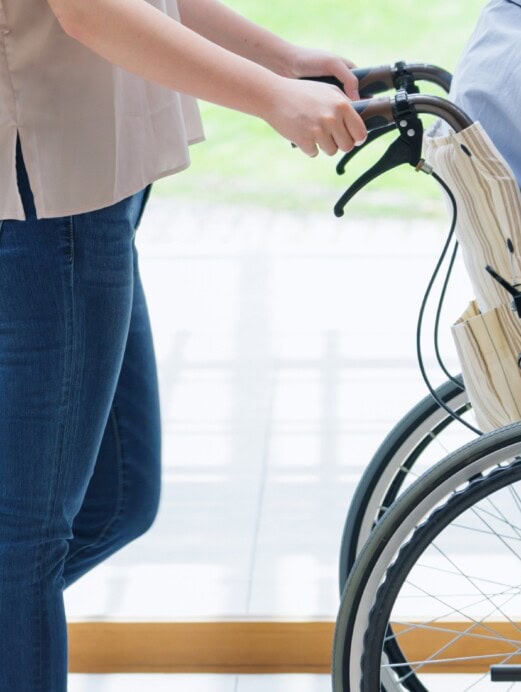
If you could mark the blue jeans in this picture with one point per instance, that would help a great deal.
(80, 435)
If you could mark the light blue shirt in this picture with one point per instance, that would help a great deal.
(487, 78)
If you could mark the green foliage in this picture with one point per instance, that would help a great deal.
(244, 161)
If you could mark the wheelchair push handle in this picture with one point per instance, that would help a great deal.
(374, 80)
(401, 75)
(424, 72)
(380, 112)
(375, 113)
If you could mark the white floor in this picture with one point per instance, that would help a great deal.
(200, 683)
(248, 683)
(285, 347)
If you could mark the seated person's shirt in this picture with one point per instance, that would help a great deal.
(487, 78)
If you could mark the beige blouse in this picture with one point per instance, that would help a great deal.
(91, 132)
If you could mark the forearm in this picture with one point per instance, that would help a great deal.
(140, 38)
(223, 26)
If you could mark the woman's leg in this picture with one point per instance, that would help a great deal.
(123, 494)
(66, 297)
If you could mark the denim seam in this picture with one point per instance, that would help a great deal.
(71, 239)
(67, 380)
(120, 504)
(60, 441)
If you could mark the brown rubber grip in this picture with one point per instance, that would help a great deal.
(374, 112)
(374, 80)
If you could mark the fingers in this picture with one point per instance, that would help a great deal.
(343, 135)
(328, 144)
(348, 129)
(341, 70)
(351, 87)
(328, 121)
(343, 139)
(309, 148)
(356, 126)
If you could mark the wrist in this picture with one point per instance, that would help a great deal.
(267, 94)
(281, 57)
(289, 60)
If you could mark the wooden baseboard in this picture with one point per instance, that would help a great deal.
(200, 647)
(269, 646)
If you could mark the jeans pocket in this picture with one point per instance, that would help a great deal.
(146, 195)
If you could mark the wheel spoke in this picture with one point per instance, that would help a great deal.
(459, 634)
(483, 579)
(474, 584)
(453, 611)
(499, 517)
(484, 531)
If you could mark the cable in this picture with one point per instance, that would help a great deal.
(426, 296)
(442, 365)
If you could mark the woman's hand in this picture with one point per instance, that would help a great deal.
(140, 38)
(315, 115)
(308, 62)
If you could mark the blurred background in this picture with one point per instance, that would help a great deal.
(243, 162)
(284, 340)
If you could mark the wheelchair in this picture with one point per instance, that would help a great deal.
(415, 600)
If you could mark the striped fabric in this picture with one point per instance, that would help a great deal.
(488, 334)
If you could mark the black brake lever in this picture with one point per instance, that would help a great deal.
(406, 149)
(371, 136)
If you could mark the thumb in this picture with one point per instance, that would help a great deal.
(348, 79)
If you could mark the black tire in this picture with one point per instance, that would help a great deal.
(396, 576)
(458, 470)
(386, 474)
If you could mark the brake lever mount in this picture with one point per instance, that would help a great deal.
(406, 149)
(403, 79)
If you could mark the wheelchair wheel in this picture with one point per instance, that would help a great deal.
(416, 442)
(418, 600)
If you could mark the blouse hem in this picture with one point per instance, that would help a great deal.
(50, 213)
